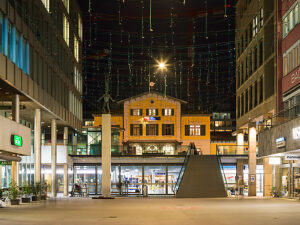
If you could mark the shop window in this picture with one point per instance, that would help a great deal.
(151, 129)
(137, 149)
(136, 112)
(168, 129)
(136, 129)
(155, 178)
(167, 112)
(152, 112)
(168, 150)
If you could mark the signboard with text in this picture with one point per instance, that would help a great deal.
(16, 140)
(291, 80)
(292, 157)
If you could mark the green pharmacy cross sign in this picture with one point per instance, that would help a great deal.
(16, 140)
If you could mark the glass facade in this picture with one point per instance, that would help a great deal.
(129, 179)
(13, 45)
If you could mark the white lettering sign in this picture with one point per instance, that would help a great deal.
(295, 76)
(292, 157)
(296, 133)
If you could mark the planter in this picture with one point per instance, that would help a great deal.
(35, 198)
(25, 200)
(15, 202)
(43, 197)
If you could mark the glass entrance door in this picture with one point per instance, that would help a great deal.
(86, 175)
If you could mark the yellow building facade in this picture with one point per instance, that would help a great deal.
(154, 124)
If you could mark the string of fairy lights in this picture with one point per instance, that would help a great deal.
(197, 49)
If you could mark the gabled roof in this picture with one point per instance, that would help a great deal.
(152, 93)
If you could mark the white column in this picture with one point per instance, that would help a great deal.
(252, 160)
(53, 156)
(106, 154)
(240, 143)
(16, 118)
(37, 145)
(66, 183)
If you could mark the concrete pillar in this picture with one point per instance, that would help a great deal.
(252, 160)
(16, 118)
(106, 154)
(240, 169)
(240, 143)
(37, 145)
(74, 147)
(53, 156)
(66, 182)
(16, 108)
(268, 177)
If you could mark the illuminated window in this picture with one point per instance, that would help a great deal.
(261, 17)
(79, 27)
(167, 112)
(46, 4)
(152, 112)
(66, 4)
(76, 48)
(136, 112)
(195, 130)
(66, 29)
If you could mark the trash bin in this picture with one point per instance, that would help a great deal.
(145, 191)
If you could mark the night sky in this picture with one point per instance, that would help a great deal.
(124, 45)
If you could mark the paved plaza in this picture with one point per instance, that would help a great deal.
(152, 211)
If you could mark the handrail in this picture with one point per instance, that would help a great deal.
(222, 169)
(180, 175)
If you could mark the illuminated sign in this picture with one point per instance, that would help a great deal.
(16, 140)
(151, 118)
(280, 142)
(274, 161)
(296, 133)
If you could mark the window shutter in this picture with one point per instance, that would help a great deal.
(147, 129)
(156, 129)
(172, 129)
(187, 130)
(147, 112)
(131, 112)
(172, 112)
(163, 129)
(141, 112)
(141, 129)
(156, 112)
(131, 129)
(162, 112)
(202, 130)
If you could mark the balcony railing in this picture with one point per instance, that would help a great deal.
(119, 150)
(279, 118)
(232, 149)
